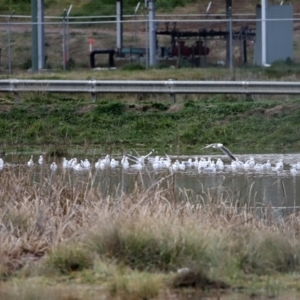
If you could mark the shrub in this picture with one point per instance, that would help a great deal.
(68, 258)
(115, 108)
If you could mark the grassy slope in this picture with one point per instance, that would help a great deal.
(123, 122)
(189, 126)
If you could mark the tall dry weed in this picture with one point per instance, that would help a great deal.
(42, 215)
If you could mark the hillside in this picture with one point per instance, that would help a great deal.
(170, 6)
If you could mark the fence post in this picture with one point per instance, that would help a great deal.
(68, 35)
(119, 8)
(64, 40)
(34, 45)
(230, 41)
(9, 47)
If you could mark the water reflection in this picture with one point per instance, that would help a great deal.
(263, 188)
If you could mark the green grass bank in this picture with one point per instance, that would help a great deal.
(121, 123)
(118, 123)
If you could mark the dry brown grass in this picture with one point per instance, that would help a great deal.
(36, 216)
(59, 225)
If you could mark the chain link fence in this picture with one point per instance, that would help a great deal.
(182, 40)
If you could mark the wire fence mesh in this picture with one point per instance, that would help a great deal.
(193, 40)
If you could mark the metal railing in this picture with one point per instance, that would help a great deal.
(170, 86)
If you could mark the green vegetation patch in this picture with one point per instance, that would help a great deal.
(113, 121)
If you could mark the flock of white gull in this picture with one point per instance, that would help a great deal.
(130, 162)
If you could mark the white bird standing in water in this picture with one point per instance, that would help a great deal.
(175, 165)
(114, 163)
(125, 163)
(53, 166)
(30, 163)
(278, 166)
(106, 160)
(181, 166)
(100, 164)
(222, 148)
(293, 170)
(41, 160)
(267, 165)
(219, 164)
(1, 163)
(85, 163)
(78, 167)
(66, 164)
(137, 166)
(250, 163)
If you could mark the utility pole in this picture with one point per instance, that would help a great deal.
(263, 33)
(136, 24)
(230, 42)
(9, 46)
(41, 35)
(68, 35)
(64, 53)
(119, 25)
(34, 38)
(228, 25)
(37, 41)
(152, 33)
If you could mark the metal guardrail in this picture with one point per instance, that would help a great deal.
(170, 86)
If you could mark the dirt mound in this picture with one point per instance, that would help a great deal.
(279, 109)
(175, 108)
(86, 108)
(187, 277)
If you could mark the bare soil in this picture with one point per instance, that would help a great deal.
(279, 109)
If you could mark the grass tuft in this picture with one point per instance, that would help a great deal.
(68, 258)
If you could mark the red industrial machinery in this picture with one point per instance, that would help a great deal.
(180, 49)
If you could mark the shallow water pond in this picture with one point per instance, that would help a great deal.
(259, 187)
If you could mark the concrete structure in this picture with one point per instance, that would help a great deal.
(279, 34)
